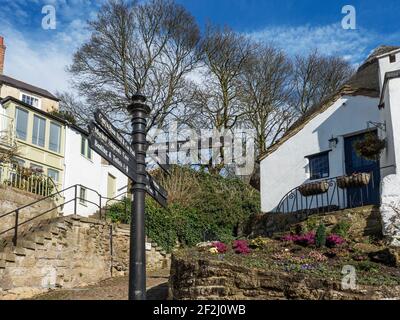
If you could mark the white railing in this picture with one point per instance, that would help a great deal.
(7, 132)
(27, 180)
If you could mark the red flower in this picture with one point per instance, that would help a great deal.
(221, 247)
(241, 247)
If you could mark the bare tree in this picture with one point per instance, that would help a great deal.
(265, 90)
(148, 48)
(73, 110)
(225, 53)
(315, 77)
(215, 102)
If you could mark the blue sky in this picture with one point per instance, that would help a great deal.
(39, 56)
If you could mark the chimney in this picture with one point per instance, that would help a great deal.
(2, 54)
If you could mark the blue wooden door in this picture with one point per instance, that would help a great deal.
(368, 195)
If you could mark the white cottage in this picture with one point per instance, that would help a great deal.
(300, 172)
(94, 175)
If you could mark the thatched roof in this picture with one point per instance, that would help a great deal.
(365, 82)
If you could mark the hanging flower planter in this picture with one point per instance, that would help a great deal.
(355, 180)
(370, 147)
(314, 188)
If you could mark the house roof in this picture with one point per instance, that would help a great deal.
(388, 76)
(28, 106)
(79, 129)
(25, 86)
(365, 82)
(383, 51)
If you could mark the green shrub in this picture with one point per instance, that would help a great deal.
(204, 207)
(120, 211)
(311, 224)
(367, 266)
(160, 225)
(342, 229)
(320, 237)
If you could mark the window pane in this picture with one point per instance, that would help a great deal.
(39, 131)
(55, 137)
(53, 174)
(21, 123)
(18, 163)
(319, 166)
(89, 151)
(85, 149)
(26, 99)
(83, 142)
(82, 196)
(30, 100)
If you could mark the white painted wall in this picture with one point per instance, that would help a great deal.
(89, 173)
(386, 66)
(389, 114)
(390, 194)
(287, 167)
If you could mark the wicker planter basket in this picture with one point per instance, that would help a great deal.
(355, 180)
(314, 188)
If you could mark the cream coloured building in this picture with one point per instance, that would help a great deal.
(34, 96)
(39, 137)
(50, 145)
(27, 123)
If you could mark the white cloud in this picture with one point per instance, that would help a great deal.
(42, 63)
(353, 45)
(41, 57)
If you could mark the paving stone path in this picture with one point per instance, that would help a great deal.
(113, 289)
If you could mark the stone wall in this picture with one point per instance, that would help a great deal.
(67, 252)
(390, 209)
(156, 257)
(364, 222)
(11, 199)
(216, 280)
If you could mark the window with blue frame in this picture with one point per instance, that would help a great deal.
(319, 165)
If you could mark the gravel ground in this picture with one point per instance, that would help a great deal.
(112, 289)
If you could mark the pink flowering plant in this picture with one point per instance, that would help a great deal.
(241, 247)
(334, 240)
(221, 247)
(307, 239)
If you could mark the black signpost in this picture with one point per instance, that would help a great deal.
(105, 147)
(110, 144)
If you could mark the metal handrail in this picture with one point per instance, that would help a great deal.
(75, 199)
(114, 199)
(37, 201)
(333, 199)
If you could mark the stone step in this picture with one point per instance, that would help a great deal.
(62, 226)
(54, 231)
(19, 251)
(39, 240)
(46, 235)
(31, 245)
(7, 256)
